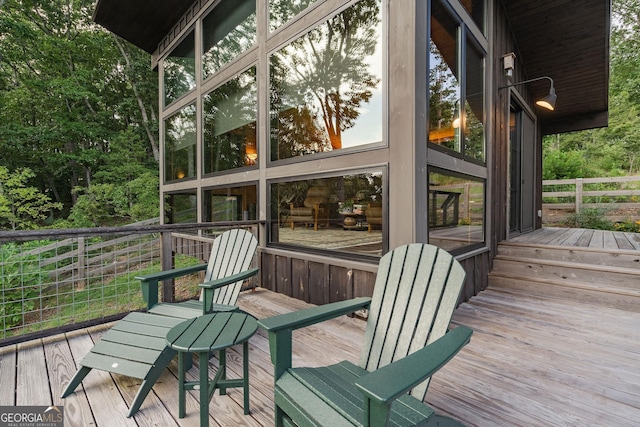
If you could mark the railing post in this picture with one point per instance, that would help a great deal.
(578, 194)
(80, 284)
(167, 259)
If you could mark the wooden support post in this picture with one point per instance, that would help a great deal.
(168, 262)
(579, 187)
(80, 282)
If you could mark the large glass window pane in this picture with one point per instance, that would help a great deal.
(474, 146)
(444, 86)
(229, 119)
(340, 213)
(230, 204)
(180, 144)
(326, 86)
(181, 208)
(476, 9)
(179, 70)
(227, 31)
(456, 210)
(281, 11)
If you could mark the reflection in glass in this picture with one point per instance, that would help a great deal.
(230, 204)
(227, 31)
(343, 213)
(476, 9)
(455, 211)
(326, 86)
(474, 146)
(229, 120)
(179, 70)
(281, 11)
(180, 144)
(444, 87)
(181, 208)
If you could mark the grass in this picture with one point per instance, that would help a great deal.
(98, 298)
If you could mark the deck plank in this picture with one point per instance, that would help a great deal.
(31, 373)
(61, 368)
(8, 375)
(532, 361)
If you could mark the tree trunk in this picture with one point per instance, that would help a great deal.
(143, 110)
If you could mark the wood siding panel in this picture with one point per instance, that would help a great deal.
(322, 283)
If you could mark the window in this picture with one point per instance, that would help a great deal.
(455, 126)
(281, 11)
(326, 86)
(456, 210)
(227, 31)
(473, 128)
(180, 145)
(476, 9)
(179, 70)
(229, 120)
(444, 86)
(181, 208)
(339, 213)
(230, 204)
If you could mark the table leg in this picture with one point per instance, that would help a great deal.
(222, 367)
(245, 374)
(204, 389)
(181, 386)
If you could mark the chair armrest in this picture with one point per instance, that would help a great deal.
(280, 327)
(149, 282)
(389, 382)
(309, 316)
(208, 288)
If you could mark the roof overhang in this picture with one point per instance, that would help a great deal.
(569, 42)
(143, 23)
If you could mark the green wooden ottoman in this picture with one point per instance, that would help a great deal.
(136, 347)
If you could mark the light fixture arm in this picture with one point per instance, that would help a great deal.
(530, 81)
(549, 101)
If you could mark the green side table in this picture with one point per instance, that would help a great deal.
(203, 335)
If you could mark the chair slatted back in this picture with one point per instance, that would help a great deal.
(416, 291)
(231, 253)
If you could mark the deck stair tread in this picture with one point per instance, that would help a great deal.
(604, 276)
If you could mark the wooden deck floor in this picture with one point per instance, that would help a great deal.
(531, 362)
(581, 237)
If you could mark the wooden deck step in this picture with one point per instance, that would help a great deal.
(628, 259)
(608, 278)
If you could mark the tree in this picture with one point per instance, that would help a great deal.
(68, 88)
(615, 150)
(22, 206)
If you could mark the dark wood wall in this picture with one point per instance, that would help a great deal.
(321, 283)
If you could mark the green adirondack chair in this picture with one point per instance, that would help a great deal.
(228, 268)
(407, 339)
(136, 346)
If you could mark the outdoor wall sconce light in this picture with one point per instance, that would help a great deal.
(509, 62)
(549, 101)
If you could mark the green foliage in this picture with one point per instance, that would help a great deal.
(628, 225)
(69, 91)
(21, 280)
(110, 204)
(22, 206)
(592, 218)
(563, 165)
